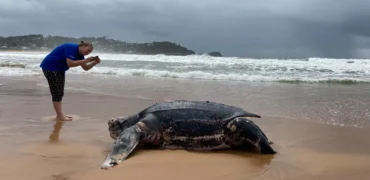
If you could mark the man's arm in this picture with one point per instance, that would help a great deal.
(72, 63)
(87, 67)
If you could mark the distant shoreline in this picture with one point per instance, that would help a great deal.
(94, 52)
(5, 50)
(41, 43)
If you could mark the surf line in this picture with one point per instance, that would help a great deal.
(105, 94)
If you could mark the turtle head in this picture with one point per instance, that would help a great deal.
(118, 124)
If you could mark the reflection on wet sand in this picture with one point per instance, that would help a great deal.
(54, 136)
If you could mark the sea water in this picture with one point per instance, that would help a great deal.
(205, 67)
(329, 91)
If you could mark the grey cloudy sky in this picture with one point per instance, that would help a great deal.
(269, 28)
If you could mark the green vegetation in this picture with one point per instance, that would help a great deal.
(101, 44)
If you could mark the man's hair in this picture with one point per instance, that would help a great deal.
(82, 43)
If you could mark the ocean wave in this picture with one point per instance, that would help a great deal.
(327, 81)
(226, 76)
(12, 65)
(312, 70)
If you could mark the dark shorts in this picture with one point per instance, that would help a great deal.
(56, 84)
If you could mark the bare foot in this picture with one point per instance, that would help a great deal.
(64, 118)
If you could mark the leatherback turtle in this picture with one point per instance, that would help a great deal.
(189, 125)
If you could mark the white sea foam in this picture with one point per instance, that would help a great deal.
(204, 67)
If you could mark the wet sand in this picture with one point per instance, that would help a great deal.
(31, 142)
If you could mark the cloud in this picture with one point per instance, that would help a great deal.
(280, 28)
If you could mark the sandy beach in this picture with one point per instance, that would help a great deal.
(34, 147)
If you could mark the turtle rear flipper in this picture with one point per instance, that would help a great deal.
(264, 147)
(242, 132)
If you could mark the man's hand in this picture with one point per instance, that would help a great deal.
(74, 63)
(94, 61)
(97, 60)
(90, 59)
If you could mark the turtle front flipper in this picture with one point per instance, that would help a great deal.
(123, 147)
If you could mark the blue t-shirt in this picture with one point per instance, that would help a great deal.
(56, 59)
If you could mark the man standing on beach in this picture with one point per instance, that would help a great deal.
(57, 62)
